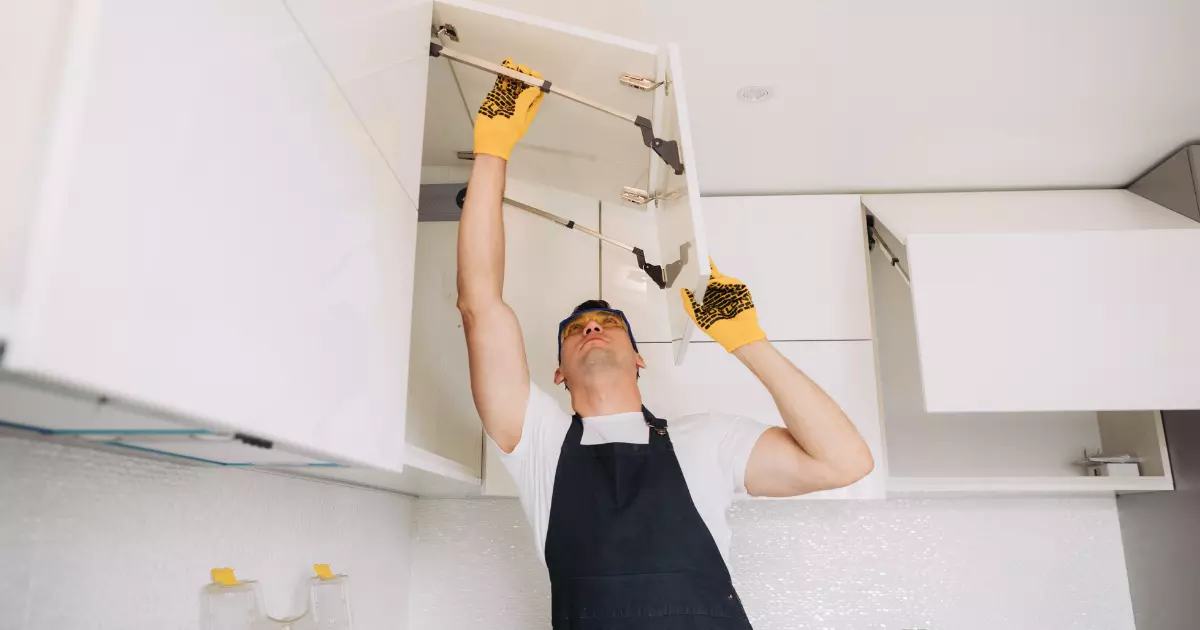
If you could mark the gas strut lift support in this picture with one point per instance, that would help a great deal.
(654, 271)
(668, 150)
(873, 239)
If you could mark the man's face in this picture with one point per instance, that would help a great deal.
(595, 342)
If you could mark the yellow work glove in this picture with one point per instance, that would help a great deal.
(727, 314)
(506, 113)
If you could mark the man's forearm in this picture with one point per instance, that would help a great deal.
(481, 235)
(814, 420)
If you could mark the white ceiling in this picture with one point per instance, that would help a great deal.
(922, 95)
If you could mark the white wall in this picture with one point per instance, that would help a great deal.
(983, 564)
(100, 541)
(1159, 529)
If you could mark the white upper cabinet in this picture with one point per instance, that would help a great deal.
(804, 259)
(1021, 212)
(580, 149)
(681, 233)
(1049, 301)
(569, 146)
(217, 236)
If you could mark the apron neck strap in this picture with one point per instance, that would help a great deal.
(657, 426)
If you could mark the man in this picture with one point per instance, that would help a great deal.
(628, 508)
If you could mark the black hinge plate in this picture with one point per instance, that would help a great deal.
(668, 150)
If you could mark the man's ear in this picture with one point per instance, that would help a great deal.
(641, 363)
(558, 376)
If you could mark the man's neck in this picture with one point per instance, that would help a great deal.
(603, 399)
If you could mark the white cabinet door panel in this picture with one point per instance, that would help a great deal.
(712, 380)
(378, 52)
(222, 450)
(32, 45)
(391, 103)
(226, 243)
(1020, 211)
(359, 38)
(681, 234)
(28, 406)
(1058, 321)
(803, 257)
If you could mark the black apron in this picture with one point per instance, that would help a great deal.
(625, 546)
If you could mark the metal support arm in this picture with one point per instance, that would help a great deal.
(873, 240)
(655, 272)
(668, 150)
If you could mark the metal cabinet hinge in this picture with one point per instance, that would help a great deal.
(640, 83)
(448, 30)
(642, 197)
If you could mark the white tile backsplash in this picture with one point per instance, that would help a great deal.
(97, 541)
(945, 564)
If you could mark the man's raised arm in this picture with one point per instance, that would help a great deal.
(495, 347)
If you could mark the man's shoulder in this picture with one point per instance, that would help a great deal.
(707, 416)
(713, 424)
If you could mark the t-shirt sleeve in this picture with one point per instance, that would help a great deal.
(541, 411)
(534, 460)
(740, 437)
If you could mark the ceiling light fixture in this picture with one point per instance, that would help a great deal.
(755, 93)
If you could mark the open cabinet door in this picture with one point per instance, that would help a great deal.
(1049, 300)
(679, 220)
(581, 149)
(1058, 321)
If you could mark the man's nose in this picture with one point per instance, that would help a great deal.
(592, 326)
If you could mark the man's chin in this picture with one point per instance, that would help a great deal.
(598, 356)
(594, 352)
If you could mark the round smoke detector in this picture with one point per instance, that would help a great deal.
(755, 93)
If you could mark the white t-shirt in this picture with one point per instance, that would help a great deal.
(712, 449)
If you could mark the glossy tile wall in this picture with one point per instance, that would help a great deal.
(947, 564)
(97, 541)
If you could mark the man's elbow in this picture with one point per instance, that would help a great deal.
(850, 470)
(858, 467)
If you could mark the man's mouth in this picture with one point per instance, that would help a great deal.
(587, 341)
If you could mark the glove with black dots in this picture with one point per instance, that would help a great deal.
(727, 313)
(506, 113)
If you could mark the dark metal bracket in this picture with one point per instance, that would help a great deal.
(668, 150)
(654, 271)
